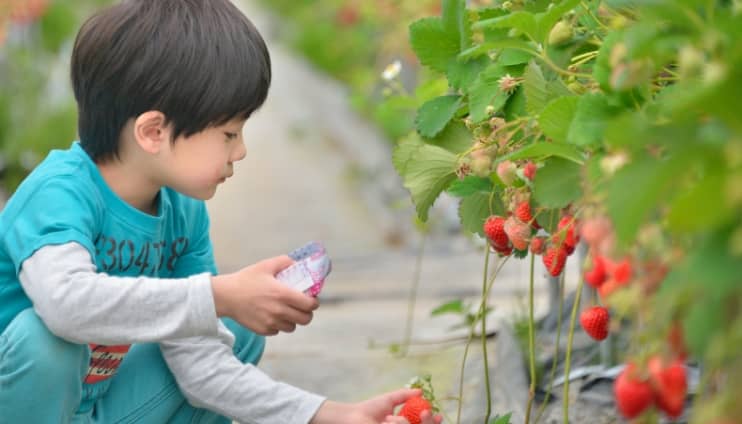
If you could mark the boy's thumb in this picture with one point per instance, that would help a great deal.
(276, 264)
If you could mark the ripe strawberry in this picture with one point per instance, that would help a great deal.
(676, 340)
(518, 232)
(494, 228)
(597, 275)
(595, 321)
(529, 170)
(537, 245)
(554, 259)
(412, 409)
(633, 394)
(523, 212)
(620, 271)
(609, 286)
(566, 233)
(670, 385)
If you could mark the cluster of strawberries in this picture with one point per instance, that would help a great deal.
(662, 383)
(517, 232)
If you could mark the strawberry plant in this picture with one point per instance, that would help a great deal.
(612, 123)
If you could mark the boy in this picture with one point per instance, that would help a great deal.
(109, 296)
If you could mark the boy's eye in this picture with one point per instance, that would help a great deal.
(230, 136)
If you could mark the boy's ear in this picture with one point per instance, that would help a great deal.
(151, 131)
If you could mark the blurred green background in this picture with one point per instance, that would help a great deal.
(37, 108)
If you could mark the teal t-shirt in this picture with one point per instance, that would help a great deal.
(65, 199)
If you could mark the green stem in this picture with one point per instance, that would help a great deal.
(552, 373)
(461, 377)
(413, 297)
(575, 307)
(485, 293)
(531, 345)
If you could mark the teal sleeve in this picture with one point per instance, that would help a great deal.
(199, 257)
(57, 212)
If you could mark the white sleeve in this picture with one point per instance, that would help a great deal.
(81, 305)
(211, 377)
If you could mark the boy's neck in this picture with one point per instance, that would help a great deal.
(131, 185)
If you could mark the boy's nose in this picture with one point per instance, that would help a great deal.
(240, 152)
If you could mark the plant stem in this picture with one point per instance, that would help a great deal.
(484, 336)
(413, 296)
(552, 373)
(461, 377)
(531, 345)
(575, 307)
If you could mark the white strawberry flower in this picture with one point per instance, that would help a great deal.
(392, 71)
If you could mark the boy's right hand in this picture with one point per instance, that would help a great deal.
(254, 297)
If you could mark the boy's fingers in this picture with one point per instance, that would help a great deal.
(276, 264)
(401, 395)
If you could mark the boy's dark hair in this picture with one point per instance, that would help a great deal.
(200, 62)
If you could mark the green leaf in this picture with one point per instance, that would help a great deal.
(592, 113)
(701, 323)
(455, 138)
(507, 43)
(57, 25)
(433, 44)
(485, 91)
(453, 307)
(435, 114)
(523, 22)
(637, 189)
(426, 171)
(510, 57)
(456, 20)
(702, 206)
(558, 183)
(474, 210)
(515, 107)
(470, 185)
(544, 150)
(504, 419)
(557, 116)
(548, 219)
(535, 90)
(462, 74)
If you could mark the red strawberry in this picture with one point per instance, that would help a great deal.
(633, 395)
(523, 212)
(676, 340)
(554, 259)
(412, 409)
(518, 232)
(620, 271)
(609, 286)
(537, 245)
(494, 228)
(670, 384)
(529, 170)
(597, 275)
(566, 233)
(594, 321)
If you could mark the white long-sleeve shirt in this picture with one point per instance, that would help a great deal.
(81, 305)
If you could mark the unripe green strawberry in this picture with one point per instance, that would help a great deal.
(413, 407)
(561, 33)
(594, 321)
(481, 165)
(518, 232)
(554, 259)
(506, 171)
(633, 394)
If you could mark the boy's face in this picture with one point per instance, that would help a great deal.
(197, 164)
